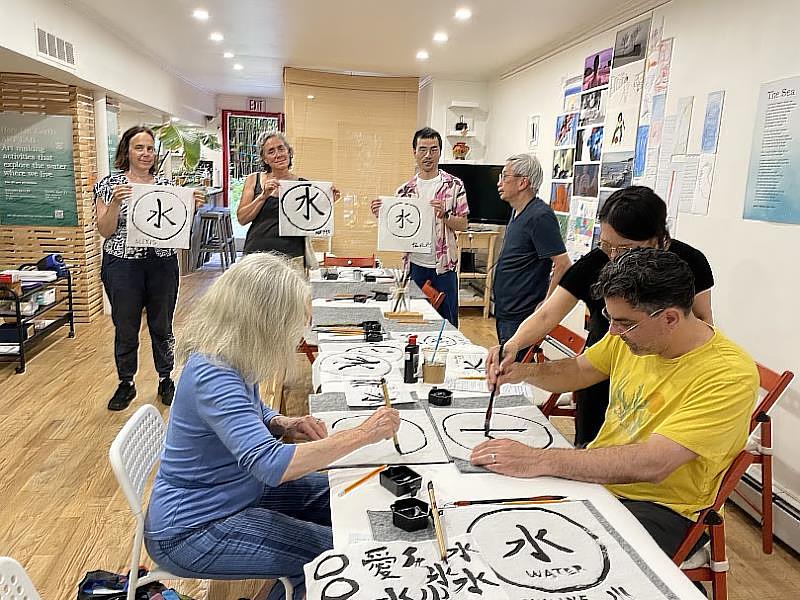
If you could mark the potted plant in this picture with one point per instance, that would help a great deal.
(186, 140)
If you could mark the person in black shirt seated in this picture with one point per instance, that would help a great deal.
(259, 203)
(634, 217)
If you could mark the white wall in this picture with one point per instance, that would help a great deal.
(733, 45)
(228, 102)
(434, 111)
(102, 60)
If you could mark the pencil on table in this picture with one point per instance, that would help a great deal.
(361, 480)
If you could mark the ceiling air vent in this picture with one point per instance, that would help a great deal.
(55, 48)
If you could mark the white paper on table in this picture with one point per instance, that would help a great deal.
(159, 216)
(417, 438)
(348, 366)
(305, 208)
(405, 224)
(479, 386)
(463, 429)
(369, 393)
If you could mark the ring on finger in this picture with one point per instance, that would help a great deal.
(494, 458)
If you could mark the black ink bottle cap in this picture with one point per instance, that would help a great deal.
(440, 397)
(401, 480)
(410, 514)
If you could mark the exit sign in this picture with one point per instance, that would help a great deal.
(257, 104)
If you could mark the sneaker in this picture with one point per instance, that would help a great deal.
(166, 391)
(125, 393)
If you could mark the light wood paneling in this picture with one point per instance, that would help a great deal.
(356, 132)
(80, 246)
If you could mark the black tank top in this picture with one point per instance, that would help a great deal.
(263, 233)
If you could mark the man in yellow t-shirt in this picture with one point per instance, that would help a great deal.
(679, 407)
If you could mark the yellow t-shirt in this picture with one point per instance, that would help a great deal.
(701, 400)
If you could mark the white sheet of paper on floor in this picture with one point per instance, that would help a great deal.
(159, 216)
(405, 225)
(403, 571)
(417, 437)
(305, 208)
(463, 429)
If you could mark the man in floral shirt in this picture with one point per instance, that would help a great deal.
(448, 201)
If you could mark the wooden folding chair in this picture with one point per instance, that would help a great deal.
(348, 261)
(309, 350)
(710, 563)
(773, 386)
(434, 296)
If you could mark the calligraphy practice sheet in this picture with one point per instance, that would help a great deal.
(463, 429)
(306, 208)
(405, 225)
(159, 216)
(417, 438)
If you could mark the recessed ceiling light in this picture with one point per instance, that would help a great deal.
(237, 67)
(440, 37)
(216, 36)
(423, 55)
(463, 14)
(310, 97)
(228, 55)
(200, 14)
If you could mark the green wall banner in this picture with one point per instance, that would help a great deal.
(37, 174)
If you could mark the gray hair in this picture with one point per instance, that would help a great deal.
(527, 165)
(265, 137)
(251, 319)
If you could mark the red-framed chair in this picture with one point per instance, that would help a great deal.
(434, 296)
(710, 563)
(308, 349)
(348, 261)
(760, 446)
(568, 342)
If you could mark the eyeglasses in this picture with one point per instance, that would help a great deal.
(613, 324)
(507, 175)
(425, 151)
(609, 249)
(277, 150)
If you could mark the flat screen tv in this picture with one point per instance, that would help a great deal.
(480, 183)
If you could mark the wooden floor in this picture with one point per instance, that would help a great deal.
(61, 513)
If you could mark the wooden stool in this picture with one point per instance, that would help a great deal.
(217, 236)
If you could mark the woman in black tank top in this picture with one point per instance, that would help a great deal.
(259, 203)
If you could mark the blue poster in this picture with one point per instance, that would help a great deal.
(641, 150)
(773, 177)
(708, 144)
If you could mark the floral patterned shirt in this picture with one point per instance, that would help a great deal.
(115, 245)
(454, 198)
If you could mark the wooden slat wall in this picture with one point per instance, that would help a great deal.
(357, 133)
(80, 246)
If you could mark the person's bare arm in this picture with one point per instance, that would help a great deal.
(108, 214)
(561, 263)
(533, 329)
(564, 375)
(250, 204)
(456, 223)
(702, 307)
(651, 461)
(316, 455)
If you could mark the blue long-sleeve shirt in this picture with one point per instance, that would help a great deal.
(219, 455)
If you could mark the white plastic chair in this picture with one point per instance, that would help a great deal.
(133, 454)
(14, 581)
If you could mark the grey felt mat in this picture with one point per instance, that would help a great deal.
(329, 289)
(330, 401)
(383, 530)
(345, 315)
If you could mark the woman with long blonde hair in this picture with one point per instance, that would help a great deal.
(231, 500)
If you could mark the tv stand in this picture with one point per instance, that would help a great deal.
(479, 280)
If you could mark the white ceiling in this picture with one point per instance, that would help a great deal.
(369, 36)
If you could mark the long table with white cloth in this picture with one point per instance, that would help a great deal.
(542, 538)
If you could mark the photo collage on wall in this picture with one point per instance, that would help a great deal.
(605, 139)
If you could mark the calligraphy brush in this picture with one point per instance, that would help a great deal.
(438, 339)
(437, 522)
(487, 422)
(388, 403)
(531, 500)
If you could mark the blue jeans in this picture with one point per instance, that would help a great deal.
(447, 283)
(286, 528)
(506, 330)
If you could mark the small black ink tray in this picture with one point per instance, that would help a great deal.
(401, 480)
(371, 326)
(440, 397)
(410, 514)
(370, 278)
(373, 336)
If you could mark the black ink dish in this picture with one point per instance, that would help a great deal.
(410, 514)
(440, 397)
(401, 480)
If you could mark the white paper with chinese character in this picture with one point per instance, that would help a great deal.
(405, 225)
(462, 429)
(416, 437)
(159, 216)
(305, 208)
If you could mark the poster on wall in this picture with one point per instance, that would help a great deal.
(593, 109)
(589, 144)
(596, 69)
(773, 187)
(560, 195)
(572, 93)
(532, 134)
(566, 126)
(622, 108)
(616, 170)
(683, 124)
(563, 163)
(159, 216)
(711, 122)
(586, 180)
(37, 174)
(631, 43)
(651, 69)
(306, 208)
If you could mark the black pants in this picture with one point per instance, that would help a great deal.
(133, 285)
(506, 330)
(590, 412)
